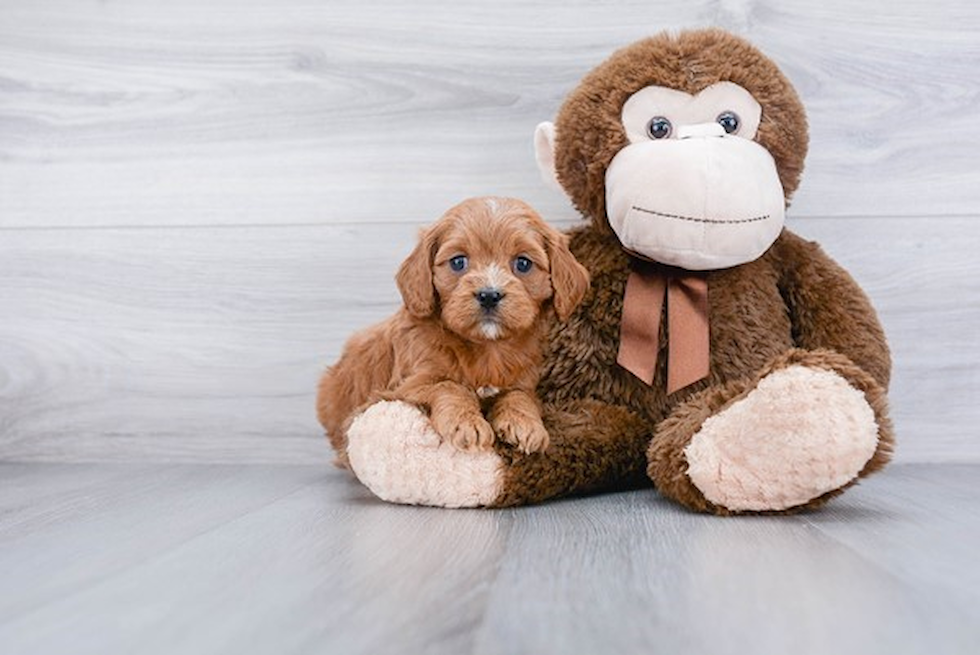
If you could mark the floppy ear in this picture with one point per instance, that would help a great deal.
(414, 277)
(569, 279)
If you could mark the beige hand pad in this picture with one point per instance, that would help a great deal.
(395, 453)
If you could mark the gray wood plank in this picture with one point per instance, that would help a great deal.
(56, 543)
(325, 568)
(205, 344)
(277, 559)
(233, 326)
(920, 523)
(285, 112)
(21, 495)
(186, 345)
(632, 573)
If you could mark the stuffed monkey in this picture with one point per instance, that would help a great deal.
(718, 355)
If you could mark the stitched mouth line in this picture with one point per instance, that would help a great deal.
(693, 219)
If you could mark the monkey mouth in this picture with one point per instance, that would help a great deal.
(695, 219)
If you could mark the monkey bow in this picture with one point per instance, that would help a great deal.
(648, 288)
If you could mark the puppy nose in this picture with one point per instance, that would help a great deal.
(489, 298)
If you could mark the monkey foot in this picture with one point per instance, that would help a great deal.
(800, 433)
(395, 453)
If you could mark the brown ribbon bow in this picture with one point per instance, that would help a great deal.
(686, 294)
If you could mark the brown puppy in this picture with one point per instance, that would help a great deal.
(467, 345)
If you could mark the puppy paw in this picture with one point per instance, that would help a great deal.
(527, 433)
(465, 431)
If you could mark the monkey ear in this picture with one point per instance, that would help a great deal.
(569, 279)
(414, 277)
(544, 152)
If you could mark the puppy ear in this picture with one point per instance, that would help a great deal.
(414, 277)
(569, 279)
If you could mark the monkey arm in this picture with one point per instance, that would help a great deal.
(828, 309)
(594, 447)
(395, 452)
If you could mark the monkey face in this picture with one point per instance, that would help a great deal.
(686, 146)
(692, 189)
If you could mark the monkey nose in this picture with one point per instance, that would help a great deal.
(700, 130)
(489, 298)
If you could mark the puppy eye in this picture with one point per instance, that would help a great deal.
(729, 121)
(458, 263)
(659, 128)
(522, 265)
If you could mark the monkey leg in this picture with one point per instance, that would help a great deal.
(804, 429)
(396, 454)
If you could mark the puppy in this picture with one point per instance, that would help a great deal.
(466, 347)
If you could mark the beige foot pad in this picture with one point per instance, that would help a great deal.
(800, 433)
(395, 453)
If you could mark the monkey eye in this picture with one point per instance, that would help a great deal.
(522, 265)
(458, 263)
(659, 128)
(729, 121)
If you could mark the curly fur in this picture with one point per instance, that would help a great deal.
(444, 351)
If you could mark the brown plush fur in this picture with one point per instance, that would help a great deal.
(604, 442)
(792, 305)
(667, 465)
(689, 63)
(442, 350)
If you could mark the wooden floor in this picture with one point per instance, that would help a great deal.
(123, 558)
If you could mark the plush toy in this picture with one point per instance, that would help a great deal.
(718, 355)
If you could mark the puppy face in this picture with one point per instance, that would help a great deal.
(488, 267)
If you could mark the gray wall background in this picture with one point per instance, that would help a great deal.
(199, 201)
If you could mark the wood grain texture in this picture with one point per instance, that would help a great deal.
(116, 517)
(199, 202)
(289, 560)
(634, 572)
(258, 112)
(206, 344)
